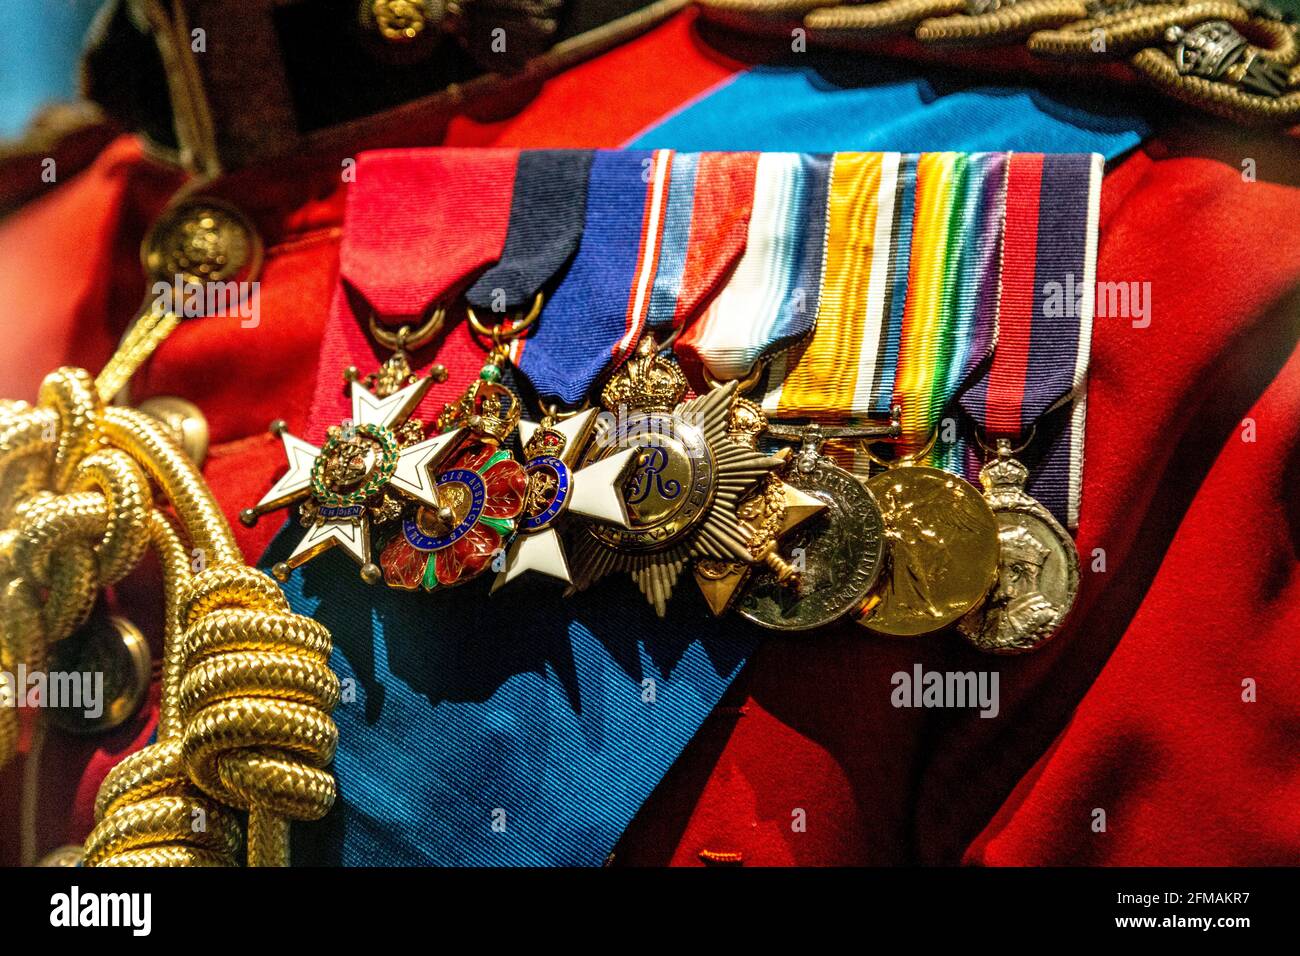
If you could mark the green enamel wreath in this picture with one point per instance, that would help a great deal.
(389, 451)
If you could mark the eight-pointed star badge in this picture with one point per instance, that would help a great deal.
(367, 469)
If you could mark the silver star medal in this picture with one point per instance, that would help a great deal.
(557, 489)
(365, 469)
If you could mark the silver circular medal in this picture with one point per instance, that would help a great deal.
(1038, 568)
(841, 551)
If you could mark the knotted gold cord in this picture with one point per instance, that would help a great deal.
(1090, 31)
(246, 692)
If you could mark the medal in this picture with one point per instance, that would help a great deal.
(477, 497)
(1038, 569)
(943, 549)
(770, 513)
(1038, 373)
(841, 549)
(557, 489)
(686, 486)
(443, 504)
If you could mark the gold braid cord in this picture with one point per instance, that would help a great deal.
(1237, 59)
(247, 691)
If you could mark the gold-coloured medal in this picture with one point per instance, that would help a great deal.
(943, 550)
(771, 512)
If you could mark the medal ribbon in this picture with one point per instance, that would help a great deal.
(596, 314)
(472, 710)
(954, 246)
(547, 213)
(418, 226)
(771, 298)
(912, 247)
(1045, 322)
(661, 231)
(709, 206)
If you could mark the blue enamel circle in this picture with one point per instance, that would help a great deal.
(478, 498)
(563, 485)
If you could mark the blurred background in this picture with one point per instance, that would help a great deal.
(40, 41)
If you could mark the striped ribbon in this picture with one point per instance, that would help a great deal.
(922, 252)
(908, 291)
(770, 300)
(1044, 323)
(661, 233)
(709, 207)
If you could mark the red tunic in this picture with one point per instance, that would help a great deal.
(1189, 531)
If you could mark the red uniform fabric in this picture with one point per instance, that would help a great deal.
(1136, 708)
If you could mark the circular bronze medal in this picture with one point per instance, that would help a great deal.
(943, 547)
(1038, 575)
(842, 549)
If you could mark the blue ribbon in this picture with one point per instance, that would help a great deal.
(479, 731)
(547, 212)
(588, 312)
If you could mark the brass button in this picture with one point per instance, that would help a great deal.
(398, 21)
(202, 240)
(70, 855)
(115, 655)
(184, 420)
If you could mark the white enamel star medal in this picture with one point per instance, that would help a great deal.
(558, 489)
(370, 467)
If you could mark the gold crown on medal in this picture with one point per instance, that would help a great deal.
(545, 441)
(648, 381)
(487, 407)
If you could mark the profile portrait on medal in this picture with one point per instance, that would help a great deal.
(1019, 613)
(1038, 568)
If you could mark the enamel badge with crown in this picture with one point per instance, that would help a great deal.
(559, 490)
(477, 499)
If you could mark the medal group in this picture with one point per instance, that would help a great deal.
(698, 407)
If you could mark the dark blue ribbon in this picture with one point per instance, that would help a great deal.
(547, 212)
